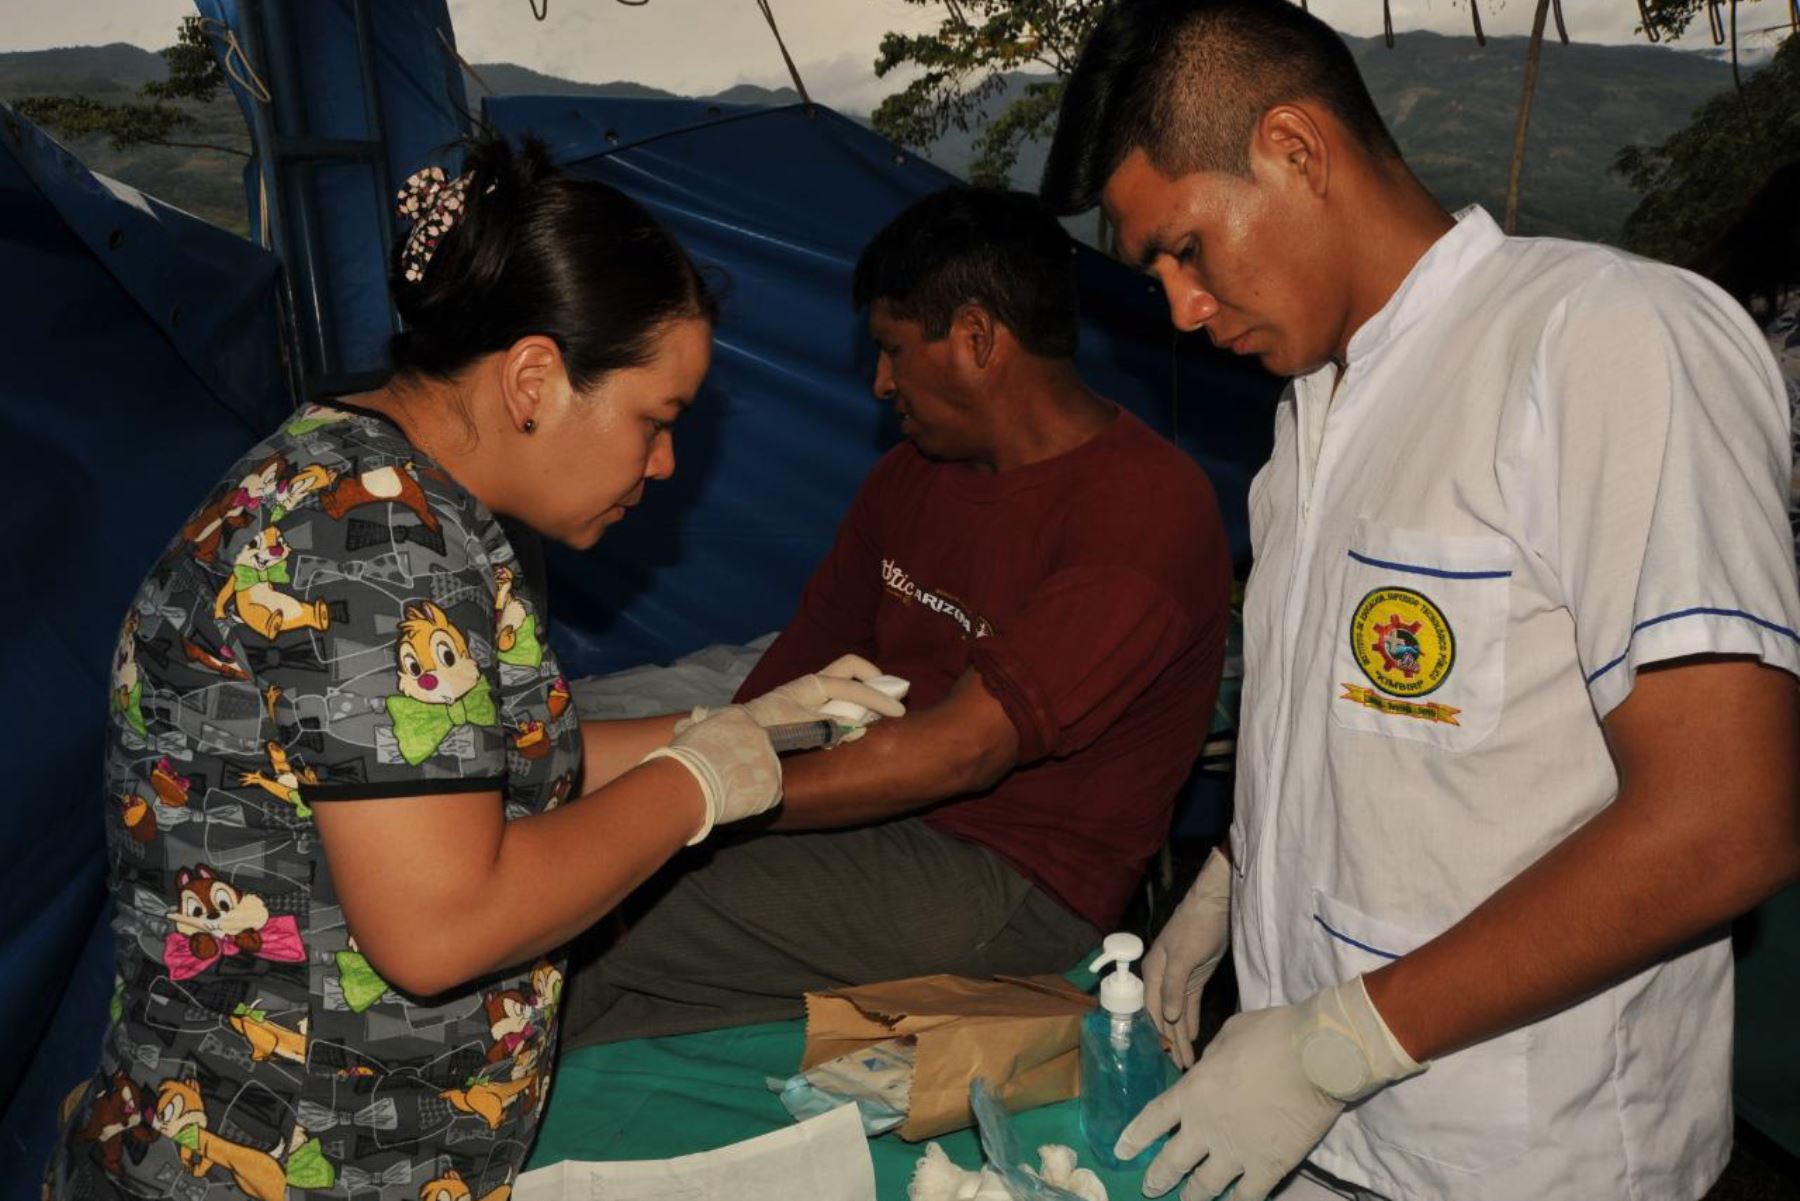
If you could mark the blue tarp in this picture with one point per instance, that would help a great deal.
(423, 108)
(779, 201)
(141, 358)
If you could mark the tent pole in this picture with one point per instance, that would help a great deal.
(1518, 155)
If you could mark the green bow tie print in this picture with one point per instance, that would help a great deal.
(420, 727)
(248, 577)
(362, 985)
(244, 1011)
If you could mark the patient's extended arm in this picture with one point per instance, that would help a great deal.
(962, 745)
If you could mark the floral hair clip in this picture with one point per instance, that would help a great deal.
(434, 203)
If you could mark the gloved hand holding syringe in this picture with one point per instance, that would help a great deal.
(846, 722)
(825, 709)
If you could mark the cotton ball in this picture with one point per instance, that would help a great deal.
(936, 1177)
(1084, 1184)
(991, 1187)
(1058, 1168)
(1056, 1163)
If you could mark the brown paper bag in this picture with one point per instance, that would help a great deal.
(1022, 1035)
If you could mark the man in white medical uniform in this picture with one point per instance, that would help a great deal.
(1520, 720)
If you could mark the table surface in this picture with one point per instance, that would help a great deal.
(660, 1097)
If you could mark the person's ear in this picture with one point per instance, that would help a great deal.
(975, 335)
(1290, 143)
(532, 381)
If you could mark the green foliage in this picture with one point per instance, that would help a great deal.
(194, 77)
(194, 74)
(74, 117)
(1671, 18)
(1697, 180)
(964, 64)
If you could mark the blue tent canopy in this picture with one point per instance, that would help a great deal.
(141, 358)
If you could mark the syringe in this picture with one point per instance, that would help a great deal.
(801, 736)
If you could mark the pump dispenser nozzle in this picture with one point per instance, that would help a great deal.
(1121, 992)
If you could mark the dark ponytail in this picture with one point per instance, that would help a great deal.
(537, 251)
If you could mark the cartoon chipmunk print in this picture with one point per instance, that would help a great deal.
(266, 1039)
(397, 484)
(283, 780)
(117, 1122)
(451, 1187)
(172, 789)
(294, 491)
(231, 508)
(140, 819)
(546, 991)
(515, 1026)
(441, 685)
(127, 685)
(221, 663)
(213, 919)
(489, 1099)
(181, 1118)
(515, 627)
(261, 565)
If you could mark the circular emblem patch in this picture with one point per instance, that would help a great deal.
(1402, 642)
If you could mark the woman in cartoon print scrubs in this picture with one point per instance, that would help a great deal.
(338, 937)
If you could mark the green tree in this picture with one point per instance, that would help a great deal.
(1697, 180)
(1670, 18)
(963, 65)
(194, 79)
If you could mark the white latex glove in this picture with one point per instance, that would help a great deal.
(1185, 956)
(730, 756)
(800, 700)
(1266, 1090)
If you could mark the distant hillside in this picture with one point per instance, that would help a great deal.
(1450, 103)
(205, 183)
(510, 79)
(210, 184)
(1453, 104)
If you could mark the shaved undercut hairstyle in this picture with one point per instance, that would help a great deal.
(964, 245)
(1187, 81)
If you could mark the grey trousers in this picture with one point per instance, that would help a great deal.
(740, 936)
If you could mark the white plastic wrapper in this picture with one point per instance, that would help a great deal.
(825, 1159)
(707, 677)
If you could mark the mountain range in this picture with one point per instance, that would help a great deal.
(1450, 103)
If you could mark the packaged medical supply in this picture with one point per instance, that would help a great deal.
(876, 1079)
(1020, 1034)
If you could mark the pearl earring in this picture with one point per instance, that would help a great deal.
(530, 425)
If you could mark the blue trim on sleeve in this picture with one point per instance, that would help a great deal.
(1698, 611)
(1361, 946)
(1437, 572)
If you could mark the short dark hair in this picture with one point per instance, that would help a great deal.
(1187, 81)
(1001, 250)
(538, 251)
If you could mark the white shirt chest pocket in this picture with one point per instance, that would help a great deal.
(1421, 635)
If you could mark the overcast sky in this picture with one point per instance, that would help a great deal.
(703, 46)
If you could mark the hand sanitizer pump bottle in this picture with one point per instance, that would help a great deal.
(1123, 1067)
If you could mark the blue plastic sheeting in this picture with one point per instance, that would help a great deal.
(423, 109)
(781, 201)
(141, 357)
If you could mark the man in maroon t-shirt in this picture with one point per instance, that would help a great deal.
(1052, 577)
